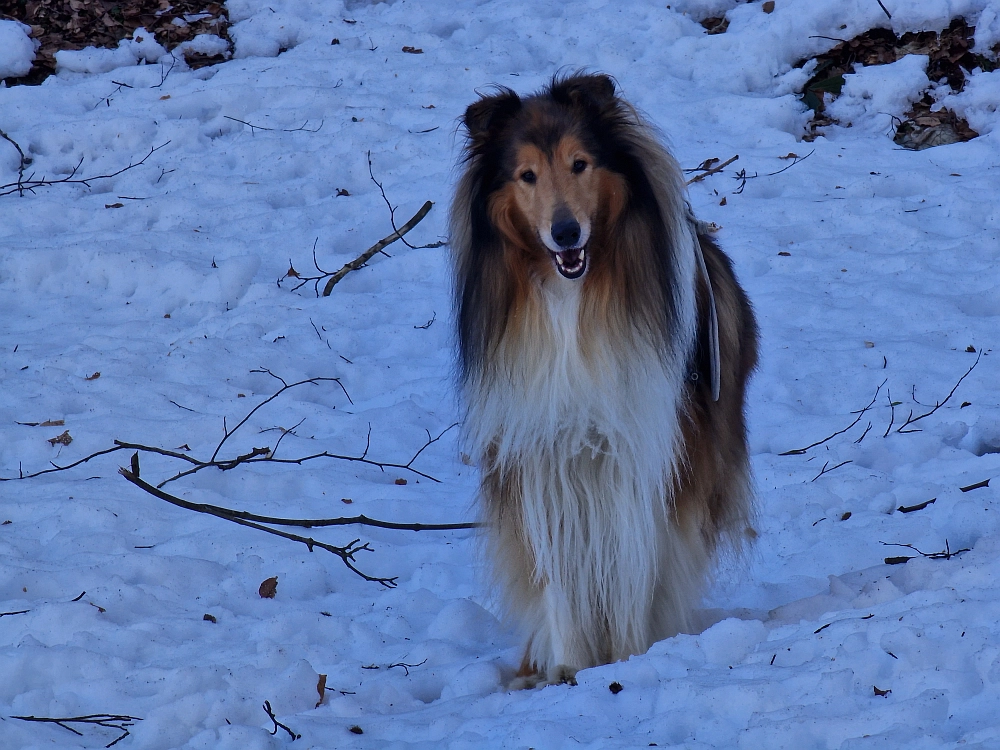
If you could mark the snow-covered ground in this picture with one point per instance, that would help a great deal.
(868, 265)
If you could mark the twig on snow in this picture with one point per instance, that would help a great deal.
(406, 667)
(31, 184)
(945, 554)
(976, 486)
(937, 405)
(332, 278)
(392, 210)
(892, 412)
(743, 177)
(918, 506)
(825, 470)
(800, 451)
(367, 255)
(301, 127)
(24, 161)
(429, 323)
(886, 10)
(709, 170)
(345, 553)
(120, 722)
(270, 715)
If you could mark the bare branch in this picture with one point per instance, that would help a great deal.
(300, 128)
(911, 419)
(284, 387)
(709, 170)
(345, 553)
(376, 248)
(800, 451)
(31, 184)
(24, 161)
(407, 667)
(121, 722)
(270, 715)
(945, 554)
(825, 470)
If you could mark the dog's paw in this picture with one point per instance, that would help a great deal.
(557, 675)
(561, 674)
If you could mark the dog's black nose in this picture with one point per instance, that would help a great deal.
(566, 233)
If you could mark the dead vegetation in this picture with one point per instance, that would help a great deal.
(950, 60)
(75, 24)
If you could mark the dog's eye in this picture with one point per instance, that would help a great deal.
(528, 176)
(579, 165)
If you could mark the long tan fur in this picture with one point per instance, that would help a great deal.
(611, 477)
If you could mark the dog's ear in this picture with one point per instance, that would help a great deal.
(490, 114)
(593, 92)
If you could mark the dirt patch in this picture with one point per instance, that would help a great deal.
(950, 58)
(75, 24)
(715, 25)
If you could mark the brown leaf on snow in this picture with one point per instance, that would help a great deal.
(400, 481)
(64, 439)
(321, 689)
(95, 376)
(881, 693)
(268, 588)
(413, 50)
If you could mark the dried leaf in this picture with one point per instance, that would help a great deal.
(413, 50)
(209, 618)
(880, 692)
(114, 205)
(400, 481)
(321, 689)
(95, 376)
(346, 500)
(64, 439)
(53, 423)
(768, 7)
(268, 588)
(615, 688)
(356, 730)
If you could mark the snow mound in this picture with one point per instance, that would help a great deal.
(141, 47)
(17, 49)
(875, 94)
(977, 103)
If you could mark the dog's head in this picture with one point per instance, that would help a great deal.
(548, 182)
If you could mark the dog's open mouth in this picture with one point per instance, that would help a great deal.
(571, 263)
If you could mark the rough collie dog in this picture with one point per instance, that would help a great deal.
(605, 347)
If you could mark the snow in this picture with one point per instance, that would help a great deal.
(17, 49)
(875, 94)
(142, 47)
(887, 272)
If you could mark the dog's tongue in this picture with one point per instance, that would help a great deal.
(571, 263)
(570, 257)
